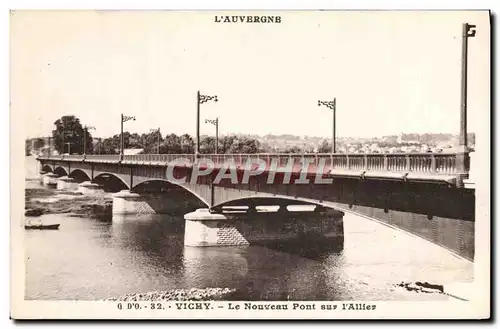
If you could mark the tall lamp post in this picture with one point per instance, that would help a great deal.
(468, 31)
(85, 132)
(124, 118)
(69, 147)
(159, 138)
(333, 106)
(49, 152)
(65, 134)
(216, 124)
(200, 100)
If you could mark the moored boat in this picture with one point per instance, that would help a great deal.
(42, 227)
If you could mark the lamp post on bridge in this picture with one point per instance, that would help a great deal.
(468, 31)
(333, 106)
(85, 131)
(159, 138)
(124, 118)
(67, 133)
(200, 99)
(216, 124)
(69, 147)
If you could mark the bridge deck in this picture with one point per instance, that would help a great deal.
(415, 166)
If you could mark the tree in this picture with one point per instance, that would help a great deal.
(294, 149)
(187, 144)
(108, 146)
(171, 144)
(27, 147)
(226, 142)
(68, 135)
(207, 145)
(325, 147)
(38, 143)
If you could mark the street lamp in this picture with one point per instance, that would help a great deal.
(333, 106)
(85, 131)
(468, 31)
(200, 99)
(124, 118)
(65, 134)
(159, 138)
(49, 151)
(216, 124)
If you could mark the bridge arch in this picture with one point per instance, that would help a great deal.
(171, 184)
(270, 200)
(79, 173)
(47, 168)
(105, 178)
(61, 171)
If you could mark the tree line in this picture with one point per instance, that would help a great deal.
(151, 143)
(69, 133)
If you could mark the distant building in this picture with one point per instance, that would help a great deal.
(401, 140)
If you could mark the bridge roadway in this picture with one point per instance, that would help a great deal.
(419, 193)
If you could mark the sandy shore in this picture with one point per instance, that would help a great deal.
(178, 295)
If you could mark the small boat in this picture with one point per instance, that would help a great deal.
(42, 227)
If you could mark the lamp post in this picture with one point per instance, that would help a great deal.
(200, 100)
(85, 131)
(468, 31)
(124, 118)
(49, 152)
(333, 106)
(67, 133)
(69, 147)
(216, 124)
(159, 138)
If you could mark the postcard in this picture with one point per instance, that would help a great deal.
(250, 164)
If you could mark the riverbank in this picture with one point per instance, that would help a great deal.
(44, 201)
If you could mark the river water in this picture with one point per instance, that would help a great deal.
(89, 259)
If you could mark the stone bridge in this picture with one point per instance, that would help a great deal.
(419, 193)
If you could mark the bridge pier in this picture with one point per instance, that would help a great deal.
(66, 183)
(205, 229)
(89, 188)
(50, 179)
(129, 202)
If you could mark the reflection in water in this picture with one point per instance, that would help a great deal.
(213, 267)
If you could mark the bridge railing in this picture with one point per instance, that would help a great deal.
(394, 162)
(103, 157)
(159, 158)
(440, 163)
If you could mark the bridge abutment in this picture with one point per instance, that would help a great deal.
(205, 229)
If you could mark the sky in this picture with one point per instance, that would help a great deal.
(390, 72)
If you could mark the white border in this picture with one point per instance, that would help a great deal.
(148, 4)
